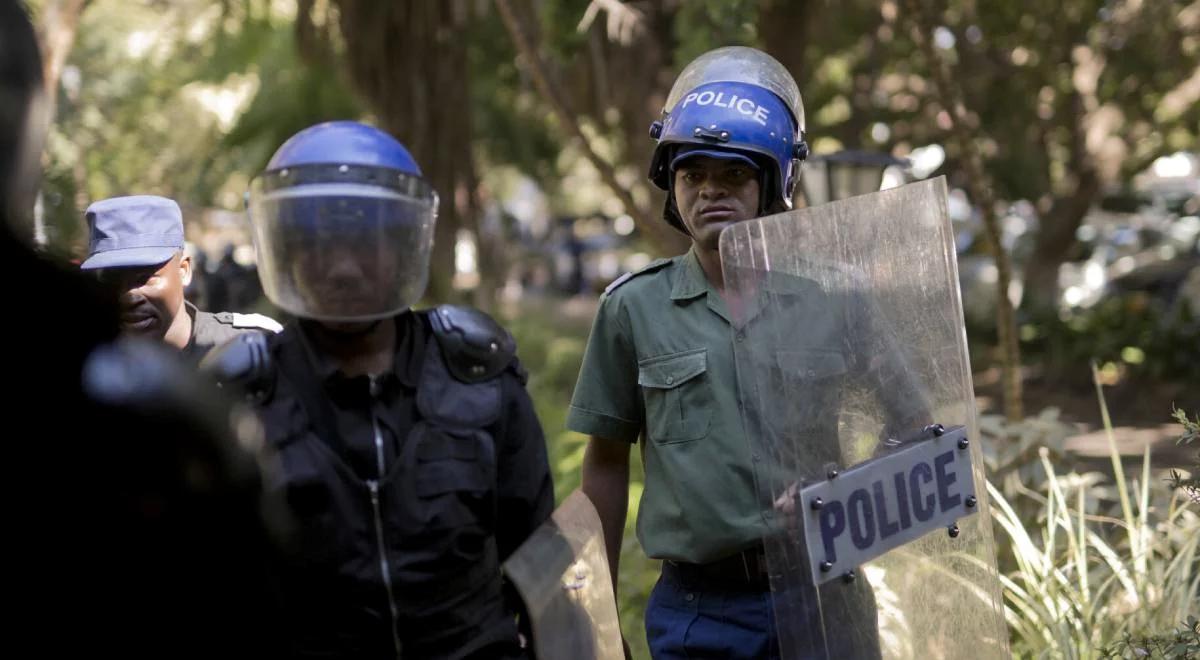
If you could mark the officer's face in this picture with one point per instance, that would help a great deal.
(346, 276)
(712, 194)
(150, 296)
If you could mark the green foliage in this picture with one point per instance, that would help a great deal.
(291, 94)
(706, 24)
(1166, 341)
(135, 122)
(511, 126)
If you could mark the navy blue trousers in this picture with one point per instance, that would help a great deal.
(697, 621)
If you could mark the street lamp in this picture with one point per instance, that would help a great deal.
(843, 174)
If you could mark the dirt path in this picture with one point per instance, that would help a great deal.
(1140, 410)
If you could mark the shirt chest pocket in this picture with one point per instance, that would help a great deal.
(678, 396)
(455, 476)
(809, 383)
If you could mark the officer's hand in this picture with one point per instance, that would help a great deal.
(785, 504)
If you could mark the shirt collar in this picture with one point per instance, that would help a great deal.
(406, 364)
(690, 282)
(190, 310)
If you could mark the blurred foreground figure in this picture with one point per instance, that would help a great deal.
(409, 450)
(132, 514)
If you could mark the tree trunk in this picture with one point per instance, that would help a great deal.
(57, 24)
(924, 21)
(784, 26)
(1054, 239)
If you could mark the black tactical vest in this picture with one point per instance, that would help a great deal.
(429, 522)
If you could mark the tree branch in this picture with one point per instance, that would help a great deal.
(658, 232)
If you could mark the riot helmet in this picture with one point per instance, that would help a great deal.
(343, 224)
(733, 101)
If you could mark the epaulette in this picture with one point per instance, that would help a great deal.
(648, 268)
(260, 321)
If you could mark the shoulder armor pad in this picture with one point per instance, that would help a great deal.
(244, 363)
(648, 268)
(476, 348)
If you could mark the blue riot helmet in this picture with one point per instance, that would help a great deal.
(733, 101)
(343, 224)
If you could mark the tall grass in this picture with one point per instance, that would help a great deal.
(1101, 560)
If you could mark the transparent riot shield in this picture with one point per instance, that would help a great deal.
(561, 573)
(858, 406)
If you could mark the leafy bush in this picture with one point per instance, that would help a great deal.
(1191, 432)
(1182, 644)
(1133, 329)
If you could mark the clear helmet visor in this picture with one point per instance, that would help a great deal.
(345, 251)
(743, 65)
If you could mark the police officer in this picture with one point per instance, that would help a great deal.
(131, 513)
(410, 452)
(659, 364)
(136, 246)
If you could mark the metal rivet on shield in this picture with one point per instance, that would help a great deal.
(343, 168)
(832, 474)
(283, 173)
(971, 501)
(938, 429)
(953, 531)
(698, 131)
(963, 443)
(724, 135)
(714, 126)
(826, 566)
(848, 577)
(493, 347)
(817, 503)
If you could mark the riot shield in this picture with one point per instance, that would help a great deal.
(857, 402)
(561, 572)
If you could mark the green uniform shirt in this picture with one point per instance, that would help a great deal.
(660, 366)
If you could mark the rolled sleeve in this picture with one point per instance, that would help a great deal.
(606, 402)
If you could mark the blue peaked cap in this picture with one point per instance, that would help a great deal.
(132, 232)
